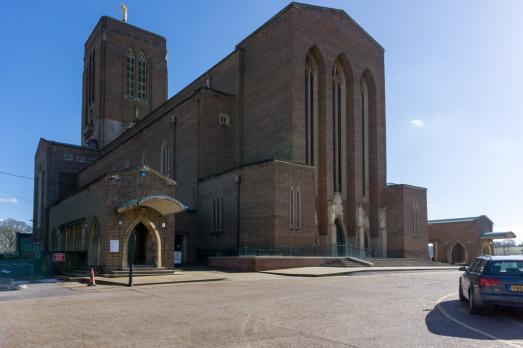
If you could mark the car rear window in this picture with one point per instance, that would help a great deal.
(508, 268)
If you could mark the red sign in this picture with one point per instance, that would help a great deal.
(58, 257)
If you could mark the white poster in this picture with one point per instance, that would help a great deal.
(177, 257)
(114, 246)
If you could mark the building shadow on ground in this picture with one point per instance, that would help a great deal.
(503, 324)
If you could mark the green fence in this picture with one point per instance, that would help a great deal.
(340, 250)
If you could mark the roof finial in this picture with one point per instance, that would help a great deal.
(123, 7)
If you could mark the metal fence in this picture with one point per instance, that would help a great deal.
(339, 250)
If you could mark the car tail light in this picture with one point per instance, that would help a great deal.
(489, 282)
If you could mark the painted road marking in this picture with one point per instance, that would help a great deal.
(448, 316)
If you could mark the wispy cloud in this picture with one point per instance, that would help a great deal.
(417, 123)
(9, 200)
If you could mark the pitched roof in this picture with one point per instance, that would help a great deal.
(314, 7)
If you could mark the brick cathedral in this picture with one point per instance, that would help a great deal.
(280, 145)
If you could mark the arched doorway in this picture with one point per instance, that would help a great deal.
(341, 238)
(140, 249)
(340, 232)
(366, 240)
(142, 244)
(458, 253)
(95, 248)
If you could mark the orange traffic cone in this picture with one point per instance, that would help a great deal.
(92, 280)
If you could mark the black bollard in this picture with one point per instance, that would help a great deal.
(130, 274)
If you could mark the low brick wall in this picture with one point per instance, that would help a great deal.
(265, 263)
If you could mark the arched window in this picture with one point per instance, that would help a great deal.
(142, 78)
(364, 137)
(130, 73)
(217, 214)
(311, 98)
(144, 158)
(339, 131)
(295, 208)
(164, 160)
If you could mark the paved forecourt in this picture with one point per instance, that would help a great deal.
(364, 310)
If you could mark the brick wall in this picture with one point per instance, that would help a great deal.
(467, 233)
(112, 110)
(264, 208)
(333, 36)
(148, 140)
(55, 161)
(266, 92)
(407, 231)
(101, 199)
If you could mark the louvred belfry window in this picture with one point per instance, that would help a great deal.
(142, 78)
(130, 73)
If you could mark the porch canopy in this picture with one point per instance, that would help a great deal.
(497, 235)
(165, 205)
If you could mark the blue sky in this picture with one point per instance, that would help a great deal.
(453, 86)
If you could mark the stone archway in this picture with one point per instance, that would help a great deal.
(366, 239)
(341, 234)
(485, 248)
(94, 250)
(142, 228)
(458, 253)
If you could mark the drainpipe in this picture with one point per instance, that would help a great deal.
(238, 183)
(173, 123)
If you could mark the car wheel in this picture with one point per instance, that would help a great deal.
(460, 292)
(473, 307)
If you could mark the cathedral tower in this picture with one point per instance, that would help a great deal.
(124, 79)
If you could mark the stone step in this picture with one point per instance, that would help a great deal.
(399, 262)
(140, 271)
(140, 267)
(343, 263)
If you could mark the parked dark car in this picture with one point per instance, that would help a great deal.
(492, 282)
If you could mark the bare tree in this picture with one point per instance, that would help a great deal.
(505, 245)
(8, 230)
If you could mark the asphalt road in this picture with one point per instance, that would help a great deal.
(251, 310)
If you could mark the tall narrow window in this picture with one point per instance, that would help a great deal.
(93, 75)
(364, 137)
(214, 214)
(142, 78)
(338, 127)
(217, 214)
(89, 82)
(221, 214)
(298, 208)
(415, 222)
(310, 108)
(130, 73)
(295, 208)
(164, 161)
(291, 205)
